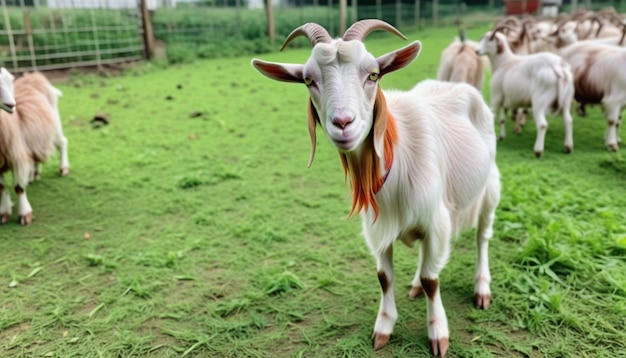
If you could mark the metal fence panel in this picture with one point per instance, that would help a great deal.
(69, 33)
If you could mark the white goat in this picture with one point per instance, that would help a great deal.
(460, 63)
(421, 163)
(542, 81)
(28, 133)
(600, 78)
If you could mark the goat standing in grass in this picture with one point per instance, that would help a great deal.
(543, 81)
(29, 131)
(421, 163)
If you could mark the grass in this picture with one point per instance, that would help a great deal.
(190, 226)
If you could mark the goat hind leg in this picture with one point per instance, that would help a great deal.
(416, 286)
(61, 144)
(484, 232)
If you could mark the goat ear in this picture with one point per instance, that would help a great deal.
(284, 72)
(499, 46)
(380, 122)
(313, 119)
(398, 59)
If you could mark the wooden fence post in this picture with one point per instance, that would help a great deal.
(271, 31)
(417, 13)
(343, 13)
(148, 33)
(9, 34)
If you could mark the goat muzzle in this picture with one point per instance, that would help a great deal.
(342, 122)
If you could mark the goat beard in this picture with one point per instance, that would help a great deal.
(364, 170)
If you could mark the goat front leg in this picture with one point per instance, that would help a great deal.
(387, 313)
(6, 206)
(436, 250)
(20, 180)
(542, 127)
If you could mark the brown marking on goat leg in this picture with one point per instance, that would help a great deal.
(384, 283)
(430, 286)
(19, 190)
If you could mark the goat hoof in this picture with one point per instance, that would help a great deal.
(26, 219)
(380, 340)
(5, 218)
(64, 172)
(416, 291)
(613, 147)
(439, 346)
(482, 301)
(568, 149)
(501, 138)
(538, 153)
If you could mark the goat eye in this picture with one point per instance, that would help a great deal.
(373, 76)
(308, 81)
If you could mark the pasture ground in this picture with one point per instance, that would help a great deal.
(191, 226)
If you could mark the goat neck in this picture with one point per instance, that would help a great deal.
(367, 174)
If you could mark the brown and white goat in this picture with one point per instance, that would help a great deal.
(30, 127)
(600, 78)
(421, 163)
(460, 63)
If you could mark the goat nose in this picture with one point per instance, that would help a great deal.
(342, 122)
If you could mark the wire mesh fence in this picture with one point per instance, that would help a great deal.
(51, 34)
(68, 34)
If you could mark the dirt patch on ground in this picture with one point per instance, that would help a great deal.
(64, 75)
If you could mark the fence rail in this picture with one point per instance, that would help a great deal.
(71, 33)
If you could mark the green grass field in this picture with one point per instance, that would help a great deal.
(191, 226)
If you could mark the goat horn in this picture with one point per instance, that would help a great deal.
(359, 30)
(315, 32)
(498, 29)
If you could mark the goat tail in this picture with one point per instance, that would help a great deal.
(482, 119)
(565, 88)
